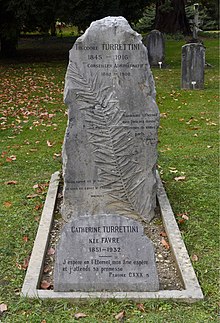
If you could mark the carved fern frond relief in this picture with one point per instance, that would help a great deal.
(120, 175)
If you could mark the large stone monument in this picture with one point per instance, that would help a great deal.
(193, 65)
(156, 48)
(109, 163)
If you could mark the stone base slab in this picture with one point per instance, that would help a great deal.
(191, 293)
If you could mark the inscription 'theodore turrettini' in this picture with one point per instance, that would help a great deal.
(109, 47)
(109, 151)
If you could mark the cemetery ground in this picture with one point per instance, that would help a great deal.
(33, 122)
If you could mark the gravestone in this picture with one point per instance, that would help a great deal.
(109, 163)
(193, 64)
(111, 253)
(156, 48)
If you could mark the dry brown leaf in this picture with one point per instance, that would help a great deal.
(141, 307)
(3, 307)
(7, 204)
(18, 265)
(31, 196)
(25, 263)
(79, 315)
(47, 269)
(51, 251)
(3, 154)
(57, 155)
(49, 144)
(165, 243)
(195, 258)
(38, 206)
(185, 217)
(120, 315)
(180, 178)
(43, 321)
(173, 171)
(45, 284)
(163, 115)
(163, 234)
(25, 238)
(11, 183)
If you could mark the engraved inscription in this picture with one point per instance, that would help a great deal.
(109, 153)
(103, 250)
(113, 143)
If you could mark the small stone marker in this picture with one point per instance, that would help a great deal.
(193, 64)
(109, 163)
(156, 48)
(109, 153)
(110, 253)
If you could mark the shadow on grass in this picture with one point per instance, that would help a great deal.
(41, 49)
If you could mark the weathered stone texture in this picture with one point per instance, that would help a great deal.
(105, 253)
(156, 48)
(109, 152)
(193, 65)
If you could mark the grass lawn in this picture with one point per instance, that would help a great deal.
(33, 122)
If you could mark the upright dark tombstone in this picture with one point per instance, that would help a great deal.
(109, 163)
(156, 48)
(193, 64)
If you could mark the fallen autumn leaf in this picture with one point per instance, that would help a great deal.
(165, 243)
(45, 284)
(120, 315)
(11, 183)
(194, 258)
(180, 178)
(7, 204)
(79, 315)
(141, 307)
(49, 144)
(51, 251)
(3, 308)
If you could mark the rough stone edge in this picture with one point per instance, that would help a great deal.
(191, 293)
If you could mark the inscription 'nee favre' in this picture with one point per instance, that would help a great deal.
(105, 256)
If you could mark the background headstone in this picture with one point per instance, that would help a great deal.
(109, 152)
(193, 64)
(107, 252)
(156, 48)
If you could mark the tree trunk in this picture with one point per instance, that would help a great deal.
(8, 47)
(171, 17)
(53, 31)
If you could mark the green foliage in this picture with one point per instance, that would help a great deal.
(146, 23)
(165, 6)
(207, 19)
(82, 13)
